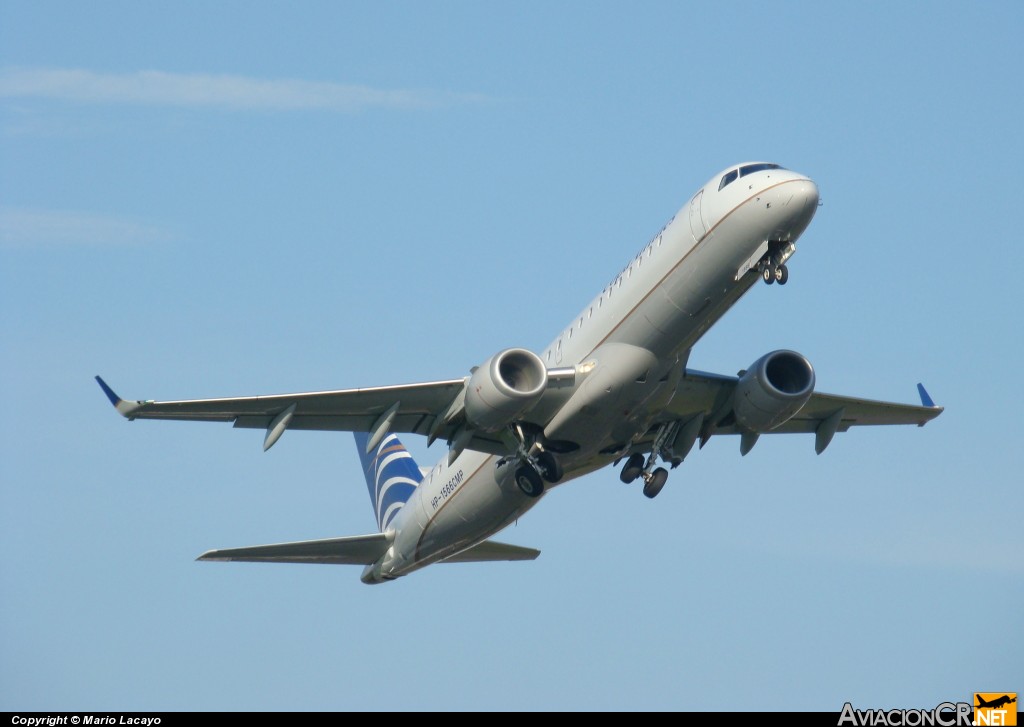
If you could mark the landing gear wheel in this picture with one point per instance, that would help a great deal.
(657, 480)
(782, 274)
(633, 468)
(768, 274)
(529, 481)
(550, 467)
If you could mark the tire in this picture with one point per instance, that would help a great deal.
(768, 274)
(633, 468)
(658, 479)
(529, 481)
(783, 274)
(550, 467)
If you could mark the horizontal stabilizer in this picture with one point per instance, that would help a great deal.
(491, 550)
(353, 550)
(357, 550)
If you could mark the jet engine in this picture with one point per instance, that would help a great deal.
(505, 387)
(773, 390)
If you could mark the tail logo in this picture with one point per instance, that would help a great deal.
(391, 477)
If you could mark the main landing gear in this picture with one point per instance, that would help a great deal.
(637, 466)
(529, 481)
(535, 469)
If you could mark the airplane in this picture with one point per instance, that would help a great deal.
(612, 386)
(995, 703)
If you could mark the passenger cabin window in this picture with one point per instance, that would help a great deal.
(728, 178)
(751, 168)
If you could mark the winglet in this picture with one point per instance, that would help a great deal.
(124, 408)
(925, 399)
(114, 398)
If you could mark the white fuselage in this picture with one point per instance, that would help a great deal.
(629, 346)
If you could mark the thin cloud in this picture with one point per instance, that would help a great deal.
(27, 227)
(159, 88)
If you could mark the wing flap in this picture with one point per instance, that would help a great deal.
(352, 550)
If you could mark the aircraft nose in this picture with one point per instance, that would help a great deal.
(806, 199)
(809, 191)
(794, 208)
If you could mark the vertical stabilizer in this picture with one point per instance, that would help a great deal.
(391, 476)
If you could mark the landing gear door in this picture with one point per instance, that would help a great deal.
(696, 221)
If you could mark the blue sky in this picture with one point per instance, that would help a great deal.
(226, 199)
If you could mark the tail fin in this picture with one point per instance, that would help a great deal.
(391, 476)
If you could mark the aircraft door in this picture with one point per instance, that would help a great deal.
(696, 221)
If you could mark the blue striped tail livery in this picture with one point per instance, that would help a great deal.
(391, 476)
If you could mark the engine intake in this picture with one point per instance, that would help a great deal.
(773, 390)
(505, 387)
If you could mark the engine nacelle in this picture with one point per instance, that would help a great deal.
(505, 387)
(772, 390)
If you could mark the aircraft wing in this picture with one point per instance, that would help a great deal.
(711, 395)
(433, 409)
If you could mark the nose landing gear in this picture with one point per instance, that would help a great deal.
(773, 265)
(771, 273)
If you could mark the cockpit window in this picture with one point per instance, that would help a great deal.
(728, 178)
(751, 168)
